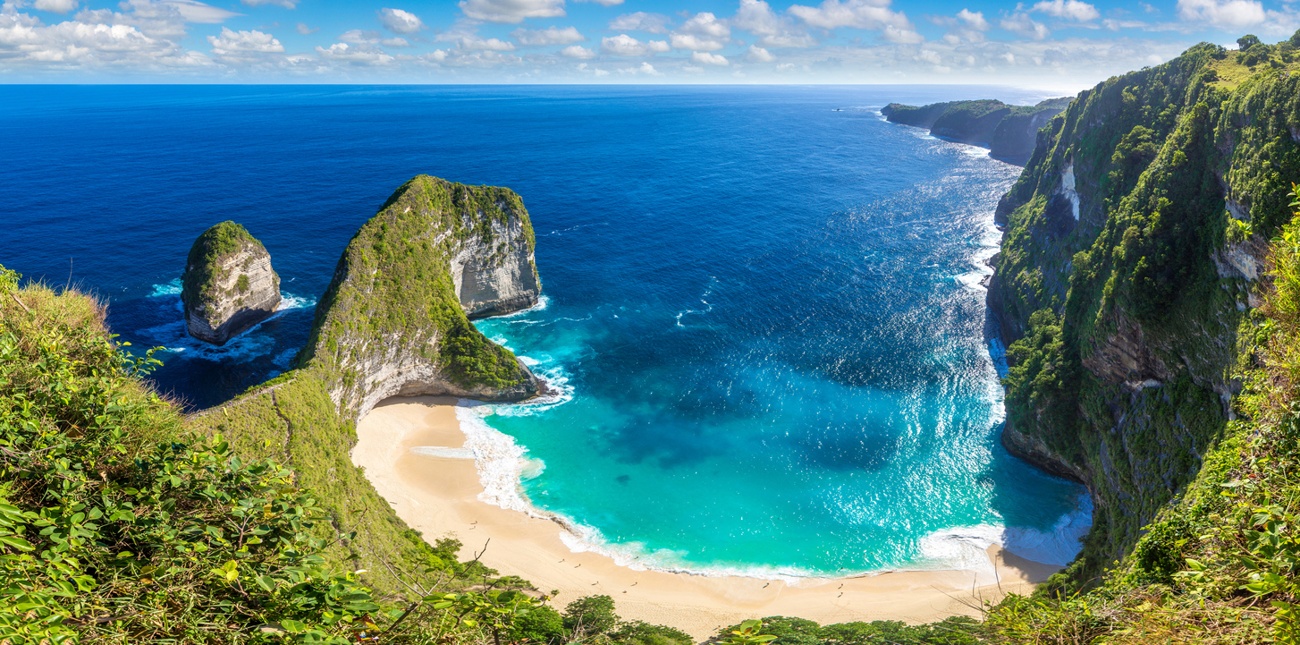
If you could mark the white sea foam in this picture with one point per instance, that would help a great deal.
(704, 299)
(964, 548)
(172, 288)
(500, 461)
(444, 452)
(245, 347)
(542, 303)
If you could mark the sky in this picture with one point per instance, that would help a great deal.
(1049, 44)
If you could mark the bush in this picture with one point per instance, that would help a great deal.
(590, 616)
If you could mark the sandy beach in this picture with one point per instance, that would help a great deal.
(438, 495)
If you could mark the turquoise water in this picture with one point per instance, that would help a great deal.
(763, 304)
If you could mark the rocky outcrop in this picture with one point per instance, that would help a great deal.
(1135, 244)
(1008, 131)
(228, 285)
(395, 319)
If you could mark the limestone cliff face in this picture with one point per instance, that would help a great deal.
(228, 284)
(1135, 239)
(395, 320)
(1008, 131)
(491, 282)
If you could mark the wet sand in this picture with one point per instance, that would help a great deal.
(438, 495)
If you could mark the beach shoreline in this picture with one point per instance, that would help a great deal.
(436, 491)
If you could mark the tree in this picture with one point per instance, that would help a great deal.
(1246, 42)
(590, 616)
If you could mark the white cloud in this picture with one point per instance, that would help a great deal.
(577, 51)
(861, 14)
(548, 36)
(243, 44)
(607, 3)
(902, 35)
(1022, 24)
(306, 30)
(757, 54)
(705, 58)
(56, 6)
(695, 43)
(625, 45)
(643, 68)
(973, 19)
(641, 21)
(1068, 10)
(1227, 14)
(355, 55)
(511, 11)
(706, 24)
(359, 37)
(98, 39)
(702, 32)
(400, 21)
(486, 44)
(757, 17)
(190, 10)
(287, 4)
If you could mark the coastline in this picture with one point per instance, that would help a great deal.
(437, 492)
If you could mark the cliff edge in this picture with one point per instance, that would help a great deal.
(395, 319)
(1134, 251)
(228, 284)
(1008, 131)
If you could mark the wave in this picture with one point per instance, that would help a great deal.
(542, 303)
(708, 306)
(247, 346)
(965, 547)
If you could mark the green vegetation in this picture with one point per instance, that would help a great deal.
(1137, 362)
(781, 630)
(201, 267)
(306, 417)
(400, 258)
(121, 522)
(1008, 130)
(1127, 319)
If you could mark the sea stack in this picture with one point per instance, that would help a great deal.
(228, 285)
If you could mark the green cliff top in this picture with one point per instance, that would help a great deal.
(201, 264)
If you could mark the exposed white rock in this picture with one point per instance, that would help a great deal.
(230, 287)
(1068, 189)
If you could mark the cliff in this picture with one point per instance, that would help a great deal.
(228, 284)
(395, 319)
(393, 322)
(1008, 131)
(1135, 244)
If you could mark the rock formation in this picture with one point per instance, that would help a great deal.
(228, 285)
(395, 319)
(1008, 131)
(1136, 238)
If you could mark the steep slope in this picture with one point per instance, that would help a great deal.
(1008, 131)
(1134, 240)
(393, 322)
(228, 284)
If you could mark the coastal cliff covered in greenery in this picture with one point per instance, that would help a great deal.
(1008, 131)
(1137, 284)
(228, 284)
(1149, 283)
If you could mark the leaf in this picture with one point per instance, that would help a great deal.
(15, 542)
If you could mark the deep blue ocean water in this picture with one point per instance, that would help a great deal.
(763, 304)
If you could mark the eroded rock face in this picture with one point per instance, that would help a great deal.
(395, 320)
(228, 285)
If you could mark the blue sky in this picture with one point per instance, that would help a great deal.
(1050, 44)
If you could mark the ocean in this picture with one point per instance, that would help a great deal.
(763, 306)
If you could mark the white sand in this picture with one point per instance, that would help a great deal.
(438, 495)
